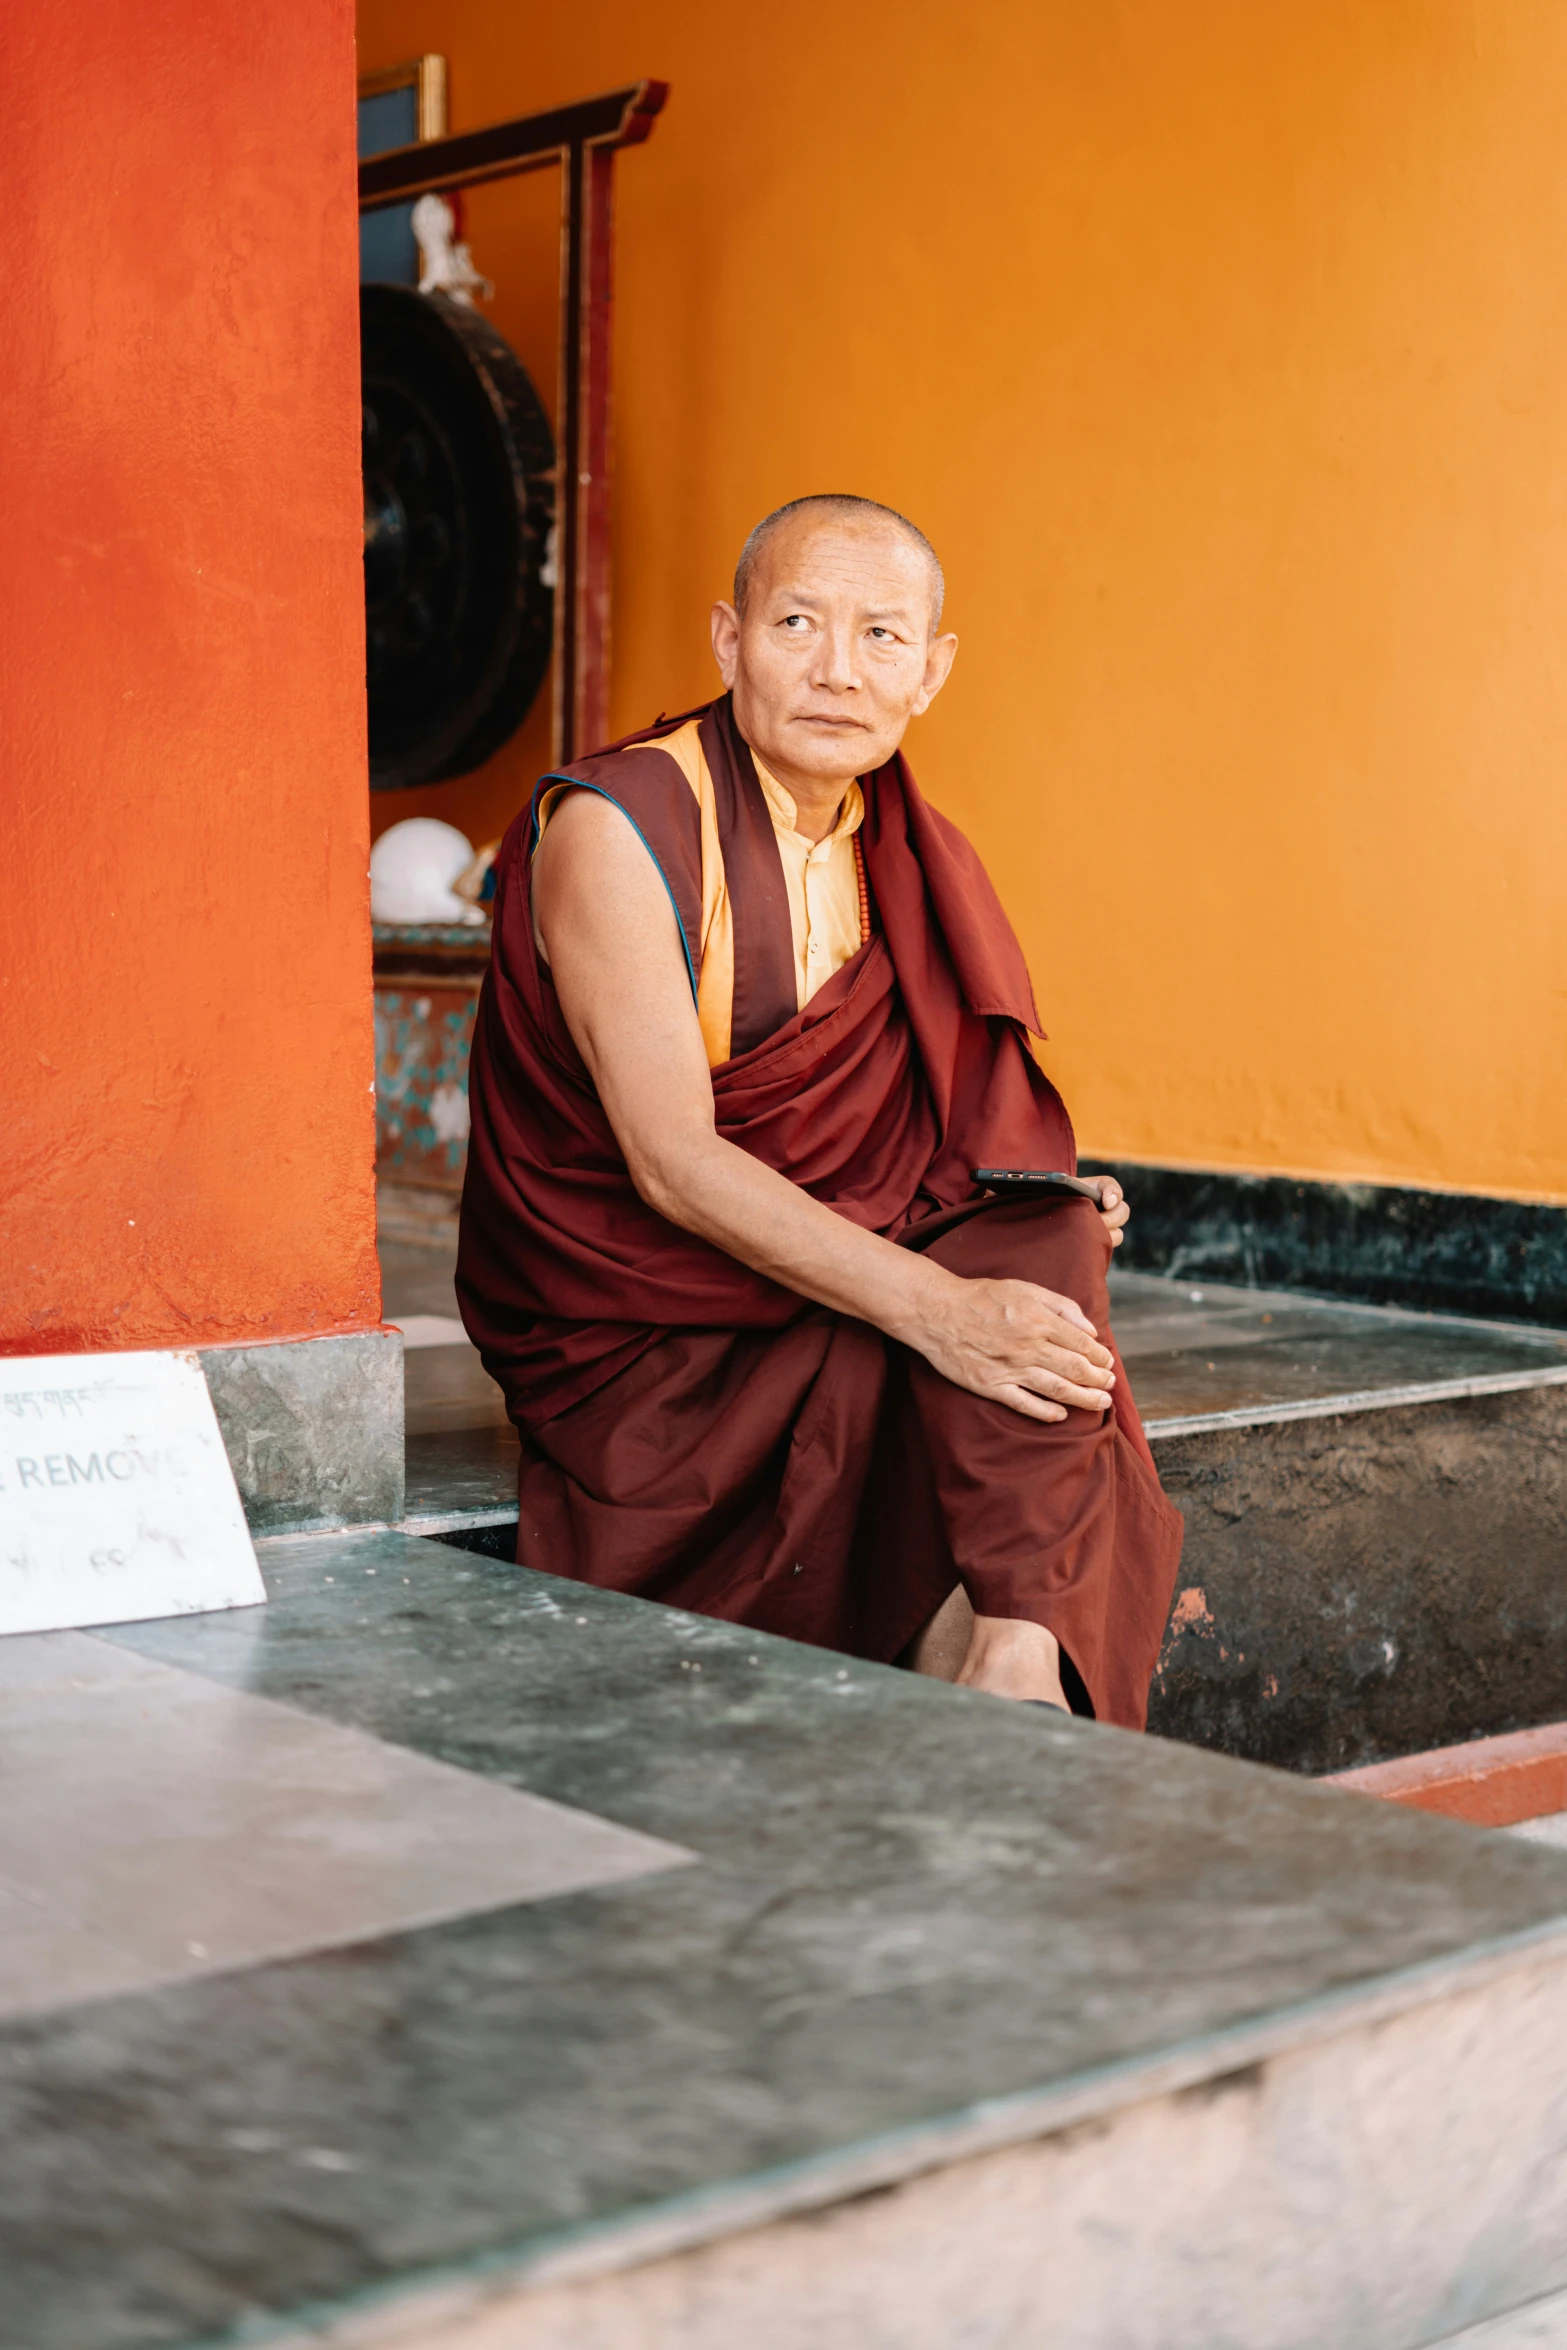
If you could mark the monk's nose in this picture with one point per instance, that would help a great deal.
(836, 670)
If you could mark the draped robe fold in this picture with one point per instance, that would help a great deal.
(695, 1433)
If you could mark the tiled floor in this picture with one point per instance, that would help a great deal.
(157, 1826)
(446, 1385)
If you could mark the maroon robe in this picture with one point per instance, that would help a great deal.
(694, 1433)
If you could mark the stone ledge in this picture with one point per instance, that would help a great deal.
(1403, 2175)
(313, 1429)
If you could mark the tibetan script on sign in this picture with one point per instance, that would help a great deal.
(117, 1501)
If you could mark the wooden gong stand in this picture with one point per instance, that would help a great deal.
(583, 140)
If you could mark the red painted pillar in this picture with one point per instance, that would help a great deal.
(185, 1050)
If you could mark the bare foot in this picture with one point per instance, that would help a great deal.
(1009, 1658)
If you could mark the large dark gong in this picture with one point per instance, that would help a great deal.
(459, 500)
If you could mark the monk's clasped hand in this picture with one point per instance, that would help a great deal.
(1020, 1345)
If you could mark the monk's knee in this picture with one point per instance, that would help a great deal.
(1062, 1246)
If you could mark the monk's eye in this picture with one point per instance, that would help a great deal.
(885, 634)
(797, 621)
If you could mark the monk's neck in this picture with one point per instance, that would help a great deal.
(818, 802)
(816, 810)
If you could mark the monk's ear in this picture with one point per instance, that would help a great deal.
(726, 641)
(939, 657)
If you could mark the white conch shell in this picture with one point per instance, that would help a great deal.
(412, 868)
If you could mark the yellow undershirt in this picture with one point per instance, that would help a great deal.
(824, 888)
(820, 878)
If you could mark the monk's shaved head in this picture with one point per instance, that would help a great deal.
(838, 505)
(831, 645)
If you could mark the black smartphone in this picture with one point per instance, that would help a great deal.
(1031, 1183)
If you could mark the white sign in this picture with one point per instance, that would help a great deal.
(117, 1501)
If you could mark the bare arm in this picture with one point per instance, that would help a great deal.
(604, 923)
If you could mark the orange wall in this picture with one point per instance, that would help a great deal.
(1223, 351)
(185, 1055)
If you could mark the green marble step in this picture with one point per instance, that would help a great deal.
(966, 2023)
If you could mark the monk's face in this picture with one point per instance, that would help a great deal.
(835, 652)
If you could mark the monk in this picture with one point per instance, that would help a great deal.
(754, 1017)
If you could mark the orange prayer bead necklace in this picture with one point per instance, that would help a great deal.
(865, 895)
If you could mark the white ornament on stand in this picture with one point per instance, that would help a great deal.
(412, 868)
(445, 263)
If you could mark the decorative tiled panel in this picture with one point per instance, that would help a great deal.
(422, 1041)
(427, 981)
